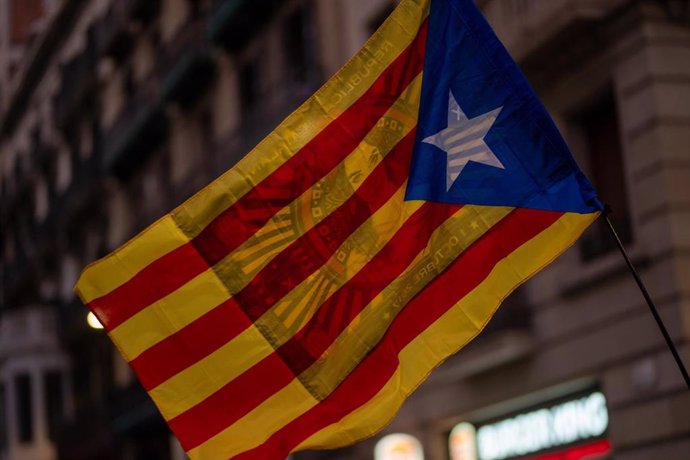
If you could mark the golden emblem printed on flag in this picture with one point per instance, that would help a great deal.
(296, 301)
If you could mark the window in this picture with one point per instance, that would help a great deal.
(197, 8)
(3, 420)
(128, 83)
(296, 32)
(598, 128)
(22, 384)
(24, 15)
(379, 19)
(515, 314)
(54, 402)
(249, 85)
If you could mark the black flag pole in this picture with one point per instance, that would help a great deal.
(650, 302)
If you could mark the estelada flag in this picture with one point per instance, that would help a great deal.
(296, 301)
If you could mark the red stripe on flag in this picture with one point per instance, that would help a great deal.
(251, 212)
(466, 273)
(267, 377)
(284, 273)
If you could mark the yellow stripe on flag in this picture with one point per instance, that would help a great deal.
(451, 332)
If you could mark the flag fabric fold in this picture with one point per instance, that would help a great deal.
(296, 301)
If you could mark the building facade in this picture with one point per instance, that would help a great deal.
(113, 112)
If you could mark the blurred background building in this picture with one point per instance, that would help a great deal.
(112, 112)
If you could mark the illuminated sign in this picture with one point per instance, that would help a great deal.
(463, 442)
(570, 422)
(398, 447)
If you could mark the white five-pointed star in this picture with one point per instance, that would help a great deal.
(463, 140)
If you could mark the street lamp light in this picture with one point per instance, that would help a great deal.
(93, 322)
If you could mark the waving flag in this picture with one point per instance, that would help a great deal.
(296, 301)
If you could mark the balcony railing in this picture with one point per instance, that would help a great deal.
(27, 329)
(143, 11)
(140, 128)
(190, 79)
(185, 66)
(113, 35)
(36, 63)
(189, 36)
(76, 198)
(146, 132)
